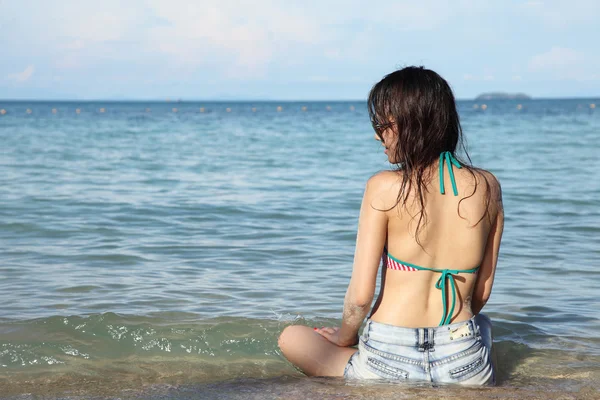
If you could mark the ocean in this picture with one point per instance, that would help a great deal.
(156, 250)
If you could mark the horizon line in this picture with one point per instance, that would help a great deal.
(245, 100)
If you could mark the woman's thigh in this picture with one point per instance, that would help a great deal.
(312, 353)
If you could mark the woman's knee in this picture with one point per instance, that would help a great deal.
(288, 336)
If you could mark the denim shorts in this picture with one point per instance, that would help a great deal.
(457, 353)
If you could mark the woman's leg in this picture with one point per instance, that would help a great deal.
(312, 353)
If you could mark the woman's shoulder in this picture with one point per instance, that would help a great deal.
(484, 174)
(487, 188)
(488, 180)
(384, 180)
(382, 189)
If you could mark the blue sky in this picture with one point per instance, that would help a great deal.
(286, 50)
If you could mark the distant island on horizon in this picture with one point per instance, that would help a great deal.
(503, 96)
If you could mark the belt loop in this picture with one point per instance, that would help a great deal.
(431, 339)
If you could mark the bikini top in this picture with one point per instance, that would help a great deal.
(446, 274)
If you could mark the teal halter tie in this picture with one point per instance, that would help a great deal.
(450, 160)
(447, 275)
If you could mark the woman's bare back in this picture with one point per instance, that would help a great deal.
(455, 233)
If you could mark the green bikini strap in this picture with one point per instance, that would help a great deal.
(450, 160)
(447, 274)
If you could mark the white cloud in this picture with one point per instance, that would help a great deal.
(413, 16)
(238, 36)
(557, 59)
(333, 54)
(69, 61)
(92, 22)
(318, 78)
(565, 64)
(246, 37)
(176, 42)
(479, 78)
(24, 75)
(335, 79)
(76, 44)
(562, 14)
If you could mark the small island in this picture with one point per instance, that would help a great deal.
(503, 96)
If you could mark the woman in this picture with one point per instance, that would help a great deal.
(438, 222)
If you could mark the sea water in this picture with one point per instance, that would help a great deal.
(157, 250)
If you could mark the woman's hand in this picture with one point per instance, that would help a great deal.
(333, 335)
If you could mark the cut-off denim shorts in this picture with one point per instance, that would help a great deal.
(457, 353)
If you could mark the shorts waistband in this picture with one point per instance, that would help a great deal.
(421, 337)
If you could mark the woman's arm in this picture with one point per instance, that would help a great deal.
(487, 270)
(370, 240)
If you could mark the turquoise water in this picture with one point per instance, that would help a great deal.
(145, 246)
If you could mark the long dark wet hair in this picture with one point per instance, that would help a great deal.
(419, 105)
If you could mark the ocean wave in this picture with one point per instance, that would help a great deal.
(158, 347)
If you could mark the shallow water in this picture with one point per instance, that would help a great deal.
(162, 252)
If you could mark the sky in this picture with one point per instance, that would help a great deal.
(292, 50)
